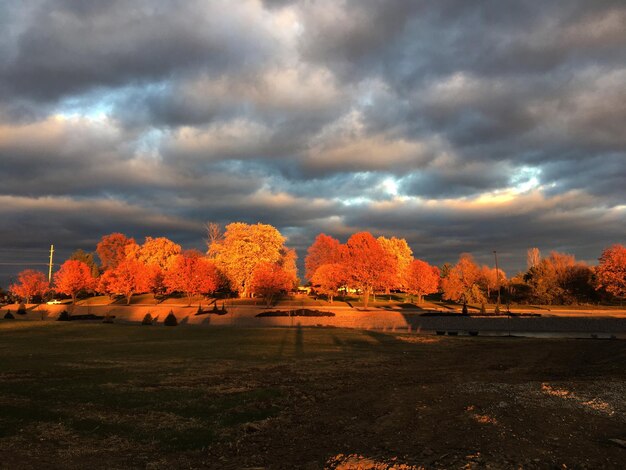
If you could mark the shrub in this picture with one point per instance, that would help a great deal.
(200, 311)
(21, 309)
(147, 319)
(223, 308)
(215, 309)
(64, 316)
(9, 315)
(170, 320)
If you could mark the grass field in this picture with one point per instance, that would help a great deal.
(120, 396)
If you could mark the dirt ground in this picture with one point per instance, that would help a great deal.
(120, 396)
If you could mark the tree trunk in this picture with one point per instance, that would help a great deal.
(128, 297)
(73, 299)
(366, 297)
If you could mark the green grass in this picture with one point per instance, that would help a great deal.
(149, 384)
(77, 395)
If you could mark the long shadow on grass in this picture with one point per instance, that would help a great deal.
(366, 341)
(382, 338)
(299, 341)
(283, 343)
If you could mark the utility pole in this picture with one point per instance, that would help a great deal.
(497, 281)
(50, 264)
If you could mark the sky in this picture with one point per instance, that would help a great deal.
(460, 126)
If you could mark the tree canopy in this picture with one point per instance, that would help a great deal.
(73, 277)
(611, 271)
(242, 248)
(191, 273)
(30, 283)
(112, 249)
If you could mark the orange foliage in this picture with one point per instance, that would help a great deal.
(328, 278)
(129, 277)
(462, 281)
(159, 251)
(242, 248)
(192, 274)
(288, 263)
(324, 250)
(112, 249)
(269, 279)
(399, 249)
(156, 280)
(30, 283)
(72, 277)
(422, 279)
(367, 263)
(611, 271)
(559, 278)
(490, 279)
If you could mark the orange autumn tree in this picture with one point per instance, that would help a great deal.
(159, 251)
(611, 270)
(156, 280)
(287, 261)
(329, 278)
(323, 250)
(242, 248)
(104, 283)
(128, 278)
(112, 249)
(399, 249)
(422, 279)
(367, 263)
(192, 274)
(558, 279)
(490, 278)
(461, 283)
(30, 283)
(269, 280)
(88, 259)
(73, 277)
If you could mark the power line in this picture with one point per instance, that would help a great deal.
(32, 250)
(27, 264)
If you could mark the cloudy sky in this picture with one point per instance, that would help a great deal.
(460, 126)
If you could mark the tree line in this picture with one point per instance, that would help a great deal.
(252, 259)
(385, 264)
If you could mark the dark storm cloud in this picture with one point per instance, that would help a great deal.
(462, 126)
(474, 178)
(67, 47)
(414, 40)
